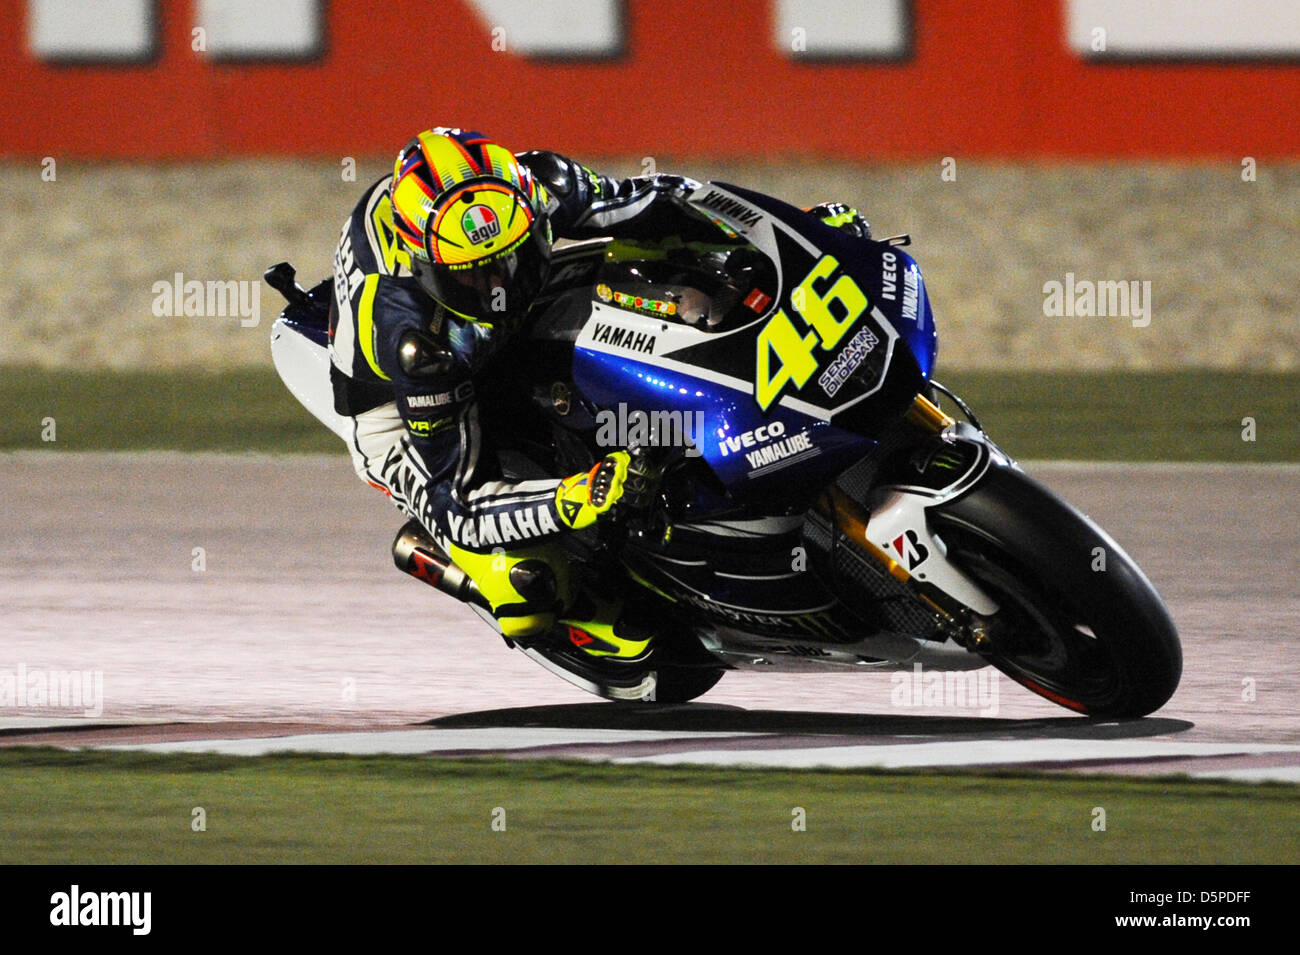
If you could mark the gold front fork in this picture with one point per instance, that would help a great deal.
(849, 517)
(927, 416)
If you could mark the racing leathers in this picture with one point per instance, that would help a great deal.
(404, 372)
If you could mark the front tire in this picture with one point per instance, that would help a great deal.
(1078, 622)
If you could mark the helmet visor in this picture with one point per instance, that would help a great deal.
(500, 288)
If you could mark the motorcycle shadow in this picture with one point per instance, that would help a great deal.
(716, 718)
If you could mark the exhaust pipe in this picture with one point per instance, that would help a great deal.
(414, 553)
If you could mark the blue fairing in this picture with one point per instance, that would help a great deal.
(909, 315)
(313, 333)
(724, 430)
(862, 260)
(919, 332)
(763, 436)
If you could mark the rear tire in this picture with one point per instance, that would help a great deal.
(683, 684)
(1078, 622)
(615, 681)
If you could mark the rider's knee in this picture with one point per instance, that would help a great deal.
(375, 434)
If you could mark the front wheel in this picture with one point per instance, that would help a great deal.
(1078, 622)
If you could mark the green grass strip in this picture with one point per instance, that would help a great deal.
(244, 410)
(1194, 415)
(98, 807)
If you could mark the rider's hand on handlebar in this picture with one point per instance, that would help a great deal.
(617, 479)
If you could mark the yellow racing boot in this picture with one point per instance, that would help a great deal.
(600, 628)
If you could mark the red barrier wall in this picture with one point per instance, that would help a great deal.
(987, 78)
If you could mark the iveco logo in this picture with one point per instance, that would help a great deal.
(749, 439)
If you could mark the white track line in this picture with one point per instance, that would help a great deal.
(36, 723)
(1267, 774)
(418, 742)
(960, 753)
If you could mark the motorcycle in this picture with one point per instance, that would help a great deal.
(817, 509)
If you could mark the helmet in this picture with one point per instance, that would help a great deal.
(473, 223)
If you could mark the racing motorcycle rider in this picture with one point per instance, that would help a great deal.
(434, 273)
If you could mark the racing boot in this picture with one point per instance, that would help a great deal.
(607, 629)
(524, 590)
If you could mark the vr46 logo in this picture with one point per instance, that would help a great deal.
(382, 220)
(829, 308)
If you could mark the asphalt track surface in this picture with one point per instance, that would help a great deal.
(298, 623)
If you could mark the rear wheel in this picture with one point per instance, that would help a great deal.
(683, 684)
(1078, 623)
(628, 682)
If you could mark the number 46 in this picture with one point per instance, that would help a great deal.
(795, 361)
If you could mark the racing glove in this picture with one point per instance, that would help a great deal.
(583, 498)
(844, 217)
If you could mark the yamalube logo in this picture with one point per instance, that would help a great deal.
(772, 443)
(75, 907)
(480, 224)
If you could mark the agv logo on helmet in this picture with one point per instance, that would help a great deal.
(477, 221)
(480, 224)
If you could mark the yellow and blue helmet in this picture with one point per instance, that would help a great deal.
(473, 222)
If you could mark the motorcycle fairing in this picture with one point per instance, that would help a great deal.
(658, 364)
